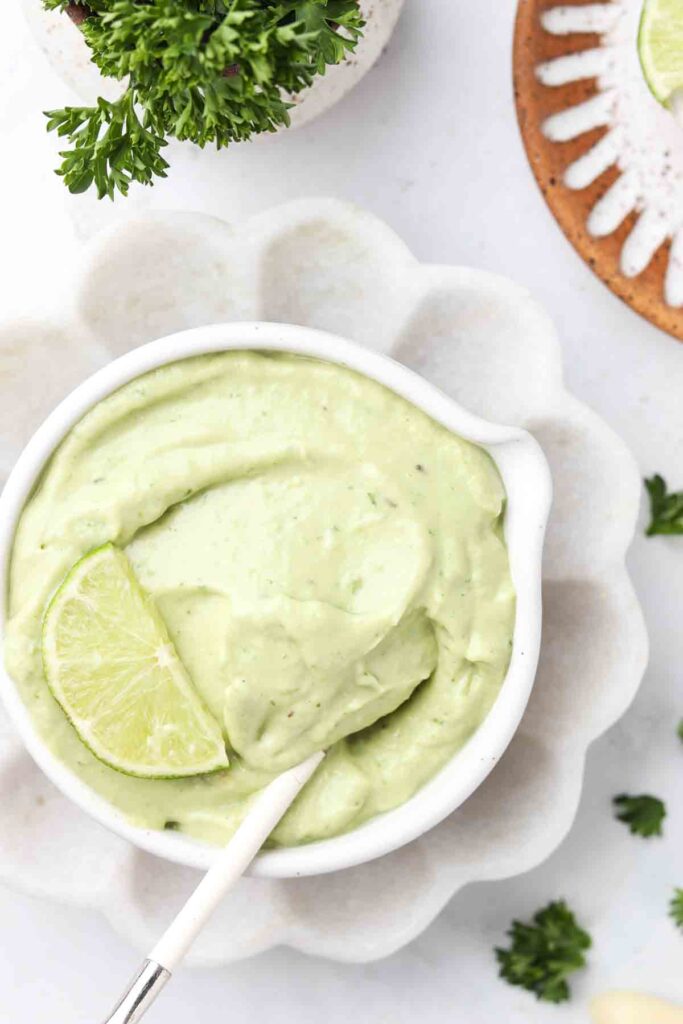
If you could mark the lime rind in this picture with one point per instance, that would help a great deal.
(660, 47)
(112, 667)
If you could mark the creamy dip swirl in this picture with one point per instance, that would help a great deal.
(329, 562)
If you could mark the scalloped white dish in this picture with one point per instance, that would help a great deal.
(484, 342)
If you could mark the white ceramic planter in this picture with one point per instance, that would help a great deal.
(527, 484)
(67, 52)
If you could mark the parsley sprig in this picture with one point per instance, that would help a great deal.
(666, 508)
(676, 908)
(544, 953)
(209, 71)
(643, 814)
(111, 147)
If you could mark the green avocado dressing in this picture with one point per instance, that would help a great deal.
(329, 562)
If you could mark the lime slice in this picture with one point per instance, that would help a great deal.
(660, 47)
(112, 667)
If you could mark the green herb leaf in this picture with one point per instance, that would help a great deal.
(676, 908)
(208, 71)
(679, 730)
(111, 147)
(666, 508)
(544, 953)
(643, 814)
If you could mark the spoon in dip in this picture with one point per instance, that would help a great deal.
(305, 553)
(268, 809)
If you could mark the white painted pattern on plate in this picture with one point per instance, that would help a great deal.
(644, 142)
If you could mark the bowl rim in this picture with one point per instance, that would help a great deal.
(527, 481)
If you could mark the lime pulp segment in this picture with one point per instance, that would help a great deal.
(112, 667)
(660, 47)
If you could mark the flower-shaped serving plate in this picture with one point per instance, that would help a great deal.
(67, 52)
(483, 340)
(607, 156)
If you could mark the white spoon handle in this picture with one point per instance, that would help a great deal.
(140, 994)
(268, 808)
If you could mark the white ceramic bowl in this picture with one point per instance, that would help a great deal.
(527, 481)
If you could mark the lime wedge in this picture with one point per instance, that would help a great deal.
(111, 665)
(660, 47)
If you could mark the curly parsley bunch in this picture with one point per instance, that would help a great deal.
(544, 953)
(210, 71)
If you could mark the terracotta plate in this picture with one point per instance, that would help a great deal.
(646, 289)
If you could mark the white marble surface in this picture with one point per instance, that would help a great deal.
(429, 143)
